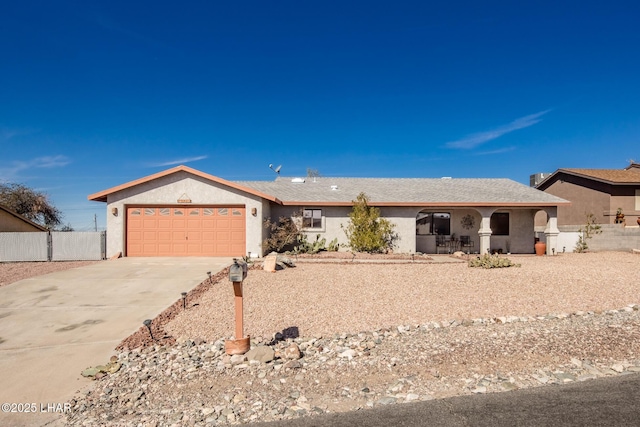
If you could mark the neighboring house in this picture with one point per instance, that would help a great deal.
(600, 192)
(14, 222)
(185, 212)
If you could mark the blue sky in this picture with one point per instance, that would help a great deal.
(98, 93)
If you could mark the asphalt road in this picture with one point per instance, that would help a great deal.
(613, 401)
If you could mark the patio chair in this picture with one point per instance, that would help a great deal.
(443, 242)
(466, 242)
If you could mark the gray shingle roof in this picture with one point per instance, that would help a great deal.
(405, 191)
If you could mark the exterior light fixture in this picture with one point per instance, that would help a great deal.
(254, 211)
(114, 211)
(184, 300)
(147, 323)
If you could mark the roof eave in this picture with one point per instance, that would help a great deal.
(428, 204)
(549, 179)
(102, 195)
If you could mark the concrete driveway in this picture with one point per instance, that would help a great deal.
(54, 326)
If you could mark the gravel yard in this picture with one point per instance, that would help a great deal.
(375, 334)
(322, 299)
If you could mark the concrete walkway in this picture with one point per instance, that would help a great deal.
(54, 326)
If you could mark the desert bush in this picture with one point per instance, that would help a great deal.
(366, 231)
(586, 232)
(283, 233)
(491, 261)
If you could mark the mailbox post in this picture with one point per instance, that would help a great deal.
(237, 274)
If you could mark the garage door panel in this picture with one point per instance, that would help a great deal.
(178, 223)
(148, 235)
(194, 223)
(180, 231)
(149, 223)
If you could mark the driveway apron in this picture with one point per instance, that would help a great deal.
(54, 326)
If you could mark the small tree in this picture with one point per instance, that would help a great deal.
(31, 204)
(587, 231)
(366, 231)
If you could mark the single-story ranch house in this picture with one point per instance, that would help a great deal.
(185, 212)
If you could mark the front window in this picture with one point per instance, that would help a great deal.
(312, 218)
(438, 223)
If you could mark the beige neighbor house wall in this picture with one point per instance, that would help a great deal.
(167, 190)
(584, 200)
(11, 223)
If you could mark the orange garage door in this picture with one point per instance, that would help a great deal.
(182, 231)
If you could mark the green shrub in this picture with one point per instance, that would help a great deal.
(304, 246)
(366, 231)
(491, 261)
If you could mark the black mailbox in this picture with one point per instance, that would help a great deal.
(238, 271)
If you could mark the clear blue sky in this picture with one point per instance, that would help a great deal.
(97, 93)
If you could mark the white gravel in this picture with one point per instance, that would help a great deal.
(325, 299)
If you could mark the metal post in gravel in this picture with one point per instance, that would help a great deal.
(237, 274)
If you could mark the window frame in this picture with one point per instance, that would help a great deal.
(497, 223)
(320, 226)
(430, 219)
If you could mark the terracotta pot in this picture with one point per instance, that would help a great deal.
(240, 346)
(541, 248)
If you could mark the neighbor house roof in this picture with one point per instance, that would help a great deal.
(102, 195)
(628, 175)
(20, 217)
(404, 191)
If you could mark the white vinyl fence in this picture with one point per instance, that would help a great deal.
(53, 246)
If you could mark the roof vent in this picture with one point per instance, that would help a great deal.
(298, 180)
(334, 187)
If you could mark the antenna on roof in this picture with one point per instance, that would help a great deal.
(276, 170)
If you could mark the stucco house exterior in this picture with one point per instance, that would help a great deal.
(186, 212)
(595, 191)
(11, 221)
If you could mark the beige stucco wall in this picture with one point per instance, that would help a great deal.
(10, 223)
(521, 233)
(166, 191)
(520, 239)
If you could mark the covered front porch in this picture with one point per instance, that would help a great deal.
(481, 230)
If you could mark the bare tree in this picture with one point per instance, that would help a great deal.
(31, 204)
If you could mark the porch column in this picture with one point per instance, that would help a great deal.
(551, 232)
(485, 230)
